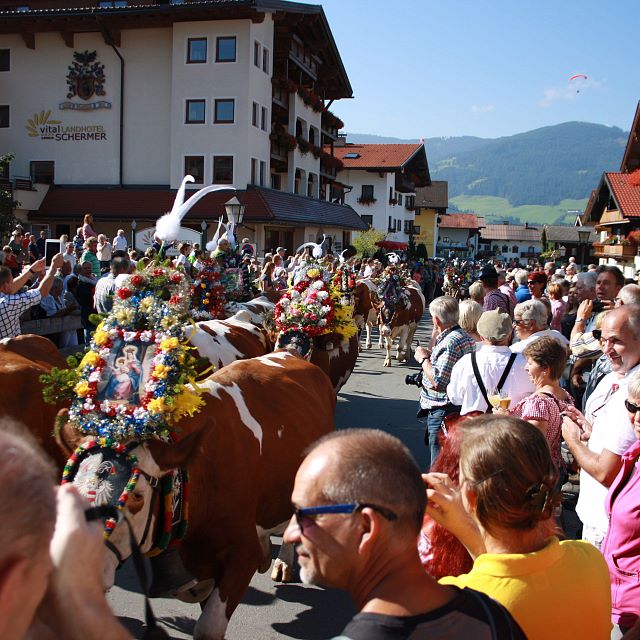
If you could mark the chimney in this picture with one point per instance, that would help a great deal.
(526, 225)
(341, 141)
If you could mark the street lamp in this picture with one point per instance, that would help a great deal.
(203, 234)
(235, 211)
(134, 226)
(583, 240)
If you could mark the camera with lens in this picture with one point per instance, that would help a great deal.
(597, 306)
(414, 379)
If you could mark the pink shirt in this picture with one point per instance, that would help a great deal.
(621, 546)
(87, 231)
(543, 407)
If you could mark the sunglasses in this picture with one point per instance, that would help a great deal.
(517, 323)
(631, 408)
(304, 513)
(597, 334)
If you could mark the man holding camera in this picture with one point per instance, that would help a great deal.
(451, 344)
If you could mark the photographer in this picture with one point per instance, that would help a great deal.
(451, 343)
(51, 581)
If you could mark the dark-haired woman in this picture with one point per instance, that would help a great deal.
(502, 513)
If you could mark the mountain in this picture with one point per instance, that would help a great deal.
(538, 173)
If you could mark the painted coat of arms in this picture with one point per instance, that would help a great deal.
(86, 76)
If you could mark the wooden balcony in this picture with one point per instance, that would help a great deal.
(622, 251)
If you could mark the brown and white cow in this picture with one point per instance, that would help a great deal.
(242, 452)
(364, 313)
(22, 361)
(222, 342)
(401, 322)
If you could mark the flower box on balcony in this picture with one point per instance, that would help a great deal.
(620, 250)
(393, 201)
(366, 200)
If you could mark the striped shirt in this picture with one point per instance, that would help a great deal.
(12, 307)
(450, 346)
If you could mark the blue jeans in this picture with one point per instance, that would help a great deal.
(434, 422)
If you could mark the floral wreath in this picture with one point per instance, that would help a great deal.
(207, 293)
(454, 277)
(315, 305)
(150, 309)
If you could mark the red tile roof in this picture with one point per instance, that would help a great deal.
(626, 191)
(459, 221)
(374, 156)
(262, 205)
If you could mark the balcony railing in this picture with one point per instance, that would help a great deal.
(614, 250)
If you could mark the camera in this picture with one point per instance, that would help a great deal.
(597, 306)
(414, 379)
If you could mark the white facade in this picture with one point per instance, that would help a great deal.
(385, 216)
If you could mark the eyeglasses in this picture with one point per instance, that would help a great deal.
(532, 282)
(349, 509)
(631, 408)
(517, 323)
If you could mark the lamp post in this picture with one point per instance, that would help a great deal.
(235, 211)
(134, 226)
(203, 234)
(583, 240)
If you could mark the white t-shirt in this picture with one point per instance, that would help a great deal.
(519, 347)
(463, 389)
(119, 243)
(612, 430)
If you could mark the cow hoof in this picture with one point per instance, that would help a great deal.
(282, 572)
(368, 345)
(387, 364)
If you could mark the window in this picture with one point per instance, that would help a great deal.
(399, 198)
(224, 111)
(367, 192)
(5, 59)
(194, 166)
(505, 248)
(416, 229)
(195, 112)
(112, 4)
(257, 50)
(391, 224)
(407, 226)
(196, 50)
(4, 116)
(368, 220)
(223, 169)
(311, 185)
(42, 171)
(445, 239)
(514, 249)
(226, 49)
(313, 136)
(265, 60)
(276, 181)
(263, 172)
(532, 250)
(23, 8)
(254, 171)
(264, 118)
(255, 114)
(4, 170)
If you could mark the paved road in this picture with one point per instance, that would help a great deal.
(373, 397)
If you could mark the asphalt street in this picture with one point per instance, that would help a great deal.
(374, 397)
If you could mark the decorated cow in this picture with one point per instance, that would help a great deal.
(400, 308)
(240, 456)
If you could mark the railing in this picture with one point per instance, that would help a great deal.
(614, 250)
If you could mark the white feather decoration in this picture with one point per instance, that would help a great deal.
(212, 245)
(168, 227)
(317, 248)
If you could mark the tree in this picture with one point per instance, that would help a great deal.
(365, 243)
(7, 203)
(421, 252)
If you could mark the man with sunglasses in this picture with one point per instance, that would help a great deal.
(598, 438)
(359, 503)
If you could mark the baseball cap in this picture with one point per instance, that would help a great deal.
(280, 249)
(494, 325)
(488, 272)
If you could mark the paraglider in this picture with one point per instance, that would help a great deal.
(577, 80)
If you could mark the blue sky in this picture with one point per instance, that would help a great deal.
(488, 68)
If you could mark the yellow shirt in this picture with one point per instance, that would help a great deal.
(562, 591)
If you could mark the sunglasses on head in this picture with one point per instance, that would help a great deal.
(631, 408)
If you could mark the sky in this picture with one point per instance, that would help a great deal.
(487, 68)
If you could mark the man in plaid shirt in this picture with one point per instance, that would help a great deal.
(451, 344)
(14, 304)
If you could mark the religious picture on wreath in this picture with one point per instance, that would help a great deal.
(125, 373)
